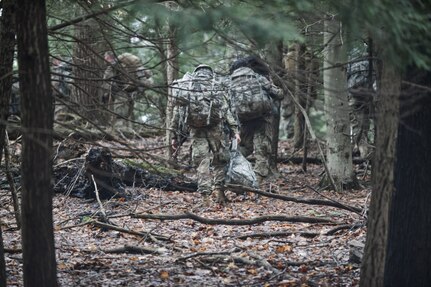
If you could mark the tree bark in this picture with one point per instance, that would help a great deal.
(300, 93)
(88, 69)
(2, 262)
(7, 47)
(39, 264)
(372, 268)
(171, 75)
(409, 238)
(275, 60)
(339, 153)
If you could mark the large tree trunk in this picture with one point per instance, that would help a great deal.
(372, 268)
(171, 75)
(408, 257)
(39, 264)
(339, 153)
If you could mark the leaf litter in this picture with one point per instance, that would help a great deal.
(188, 253)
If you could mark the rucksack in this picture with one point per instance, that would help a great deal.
(203, 101)
(248, 99)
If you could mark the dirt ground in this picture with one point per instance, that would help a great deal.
(184, 252)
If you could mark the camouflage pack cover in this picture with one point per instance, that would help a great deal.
(248, 99)
(240, 170)
(202, 99)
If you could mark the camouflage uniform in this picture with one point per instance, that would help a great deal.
(256, 135)
(361, 104)
(126, 81)
(210, 146)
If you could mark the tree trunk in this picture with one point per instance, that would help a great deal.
(409, 239)
(275, 60)
(2, 262)
(39, 264)
(171, 75)
(88, 69)
(7, 47)
(372, 268)
(339, 153)
(300, 94)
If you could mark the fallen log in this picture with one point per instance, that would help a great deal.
(98, 170)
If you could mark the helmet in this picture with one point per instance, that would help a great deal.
(203, 66)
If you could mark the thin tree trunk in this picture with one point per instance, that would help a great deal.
(372, 268)
(39, 264)
(275, 60)
(88, 69)
(2, 261)
(7, 47)
(300, 93)
(339, 152)
(171, 75)
(7, 44)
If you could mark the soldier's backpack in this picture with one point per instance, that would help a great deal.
(248, 99)
(203, 101)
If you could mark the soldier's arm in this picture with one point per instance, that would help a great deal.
(109, 73)
(275, 92)
(231, 121)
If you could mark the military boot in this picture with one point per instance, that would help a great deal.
(221, 197)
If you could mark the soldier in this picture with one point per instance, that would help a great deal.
(256, 126)
(209, 142)
(360, 81)
(126, 79)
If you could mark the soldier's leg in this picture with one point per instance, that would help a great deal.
(201, 158)
(247, 134)
(220, 152)
(262, 150)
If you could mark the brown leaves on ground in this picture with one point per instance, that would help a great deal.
(188, 253)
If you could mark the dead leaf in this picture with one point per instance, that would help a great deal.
(164, 274)
(284, 249)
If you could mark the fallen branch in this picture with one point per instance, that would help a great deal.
(331, 203)
(208, 254)
(277, 234)
(252, 221)
(134, 250)
(143, 234)
(12, 251)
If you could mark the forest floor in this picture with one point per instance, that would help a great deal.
(185, 252)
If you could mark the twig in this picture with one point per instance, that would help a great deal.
(12, 251)
(331, 203)
(9, 177)
(277, 234)
(102, 209)
(143, 234)
(134, 250)
(357, 210)
(346, 226)
(251, 221)
(236, 249)
(263, 262)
